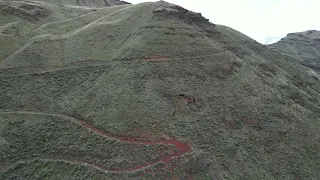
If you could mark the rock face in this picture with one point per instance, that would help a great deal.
(181, 13)
(303, 46)
(118, 2)
(151, 91)
(114, 2)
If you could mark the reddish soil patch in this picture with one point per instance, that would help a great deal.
(187, 99)
(180, 149)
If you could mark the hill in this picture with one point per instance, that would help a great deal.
(148, 91)
(303, 46)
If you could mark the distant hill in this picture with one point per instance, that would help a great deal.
(151, 91)
(303, 46)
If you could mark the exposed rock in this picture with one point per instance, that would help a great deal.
(184, 14)
(121, 2)
(115, 2)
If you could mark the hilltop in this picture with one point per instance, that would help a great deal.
(149, 91)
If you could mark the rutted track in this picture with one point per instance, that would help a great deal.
(180, 149)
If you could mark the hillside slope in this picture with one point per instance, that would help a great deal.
(86, 3)
(303, 46)
(148, 91)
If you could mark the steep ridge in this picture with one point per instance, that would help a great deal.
(303, 46)
(155, 70)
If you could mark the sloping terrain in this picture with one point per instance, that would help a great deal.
(303, 46)
(87, 3)
(148, 91)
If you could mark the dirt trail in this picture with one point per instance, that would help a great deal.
(180, 147)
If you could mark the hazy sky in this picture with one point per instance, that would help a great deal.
(264, 20)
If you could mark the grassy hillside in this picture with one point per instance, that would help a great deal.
(152, 72)
(133, 32)
(303, 46)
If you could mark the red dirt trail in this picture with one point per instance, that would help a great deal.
(180, 149)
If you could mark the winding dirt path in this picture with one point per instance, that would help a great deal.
(180, 147)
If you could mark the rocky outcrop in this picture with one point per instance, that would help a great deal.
(115, 2)
(181, 13)
(121, 2)
(303, 46)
